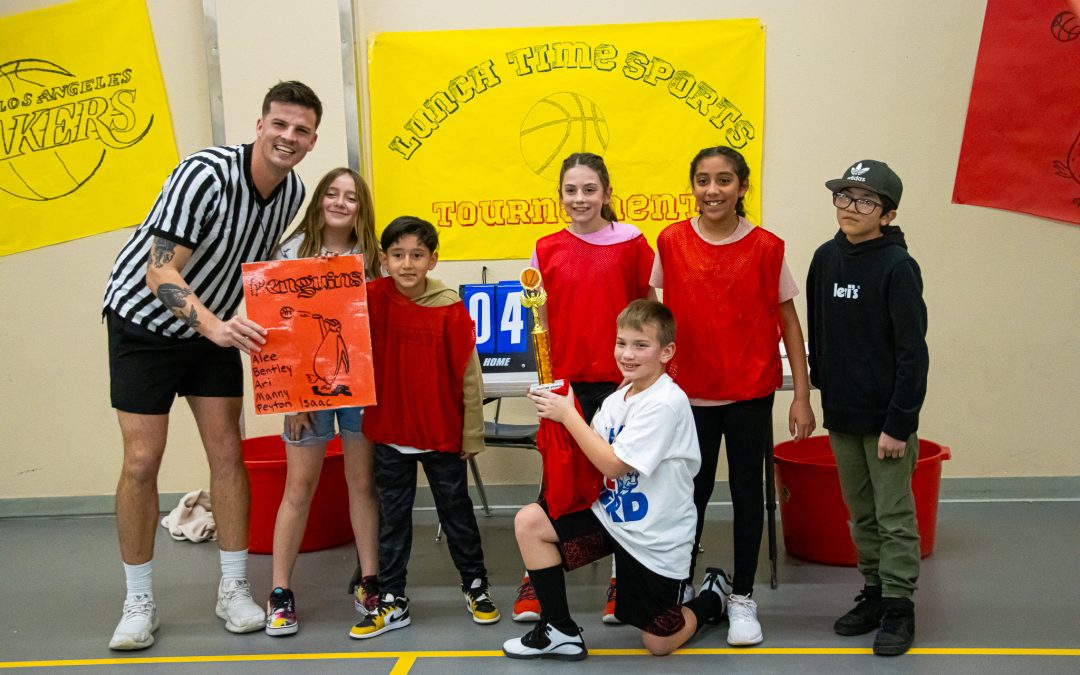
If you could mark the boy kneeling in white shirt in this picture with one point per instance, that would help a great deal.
(643, 441)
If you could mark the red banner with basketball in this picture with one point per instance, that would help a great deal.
(318, 345)
(1021, 147)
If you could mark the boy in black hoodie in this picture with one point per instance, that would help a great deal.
(868, 356)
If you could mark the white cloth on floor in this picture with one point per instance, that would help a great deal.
(192, 518)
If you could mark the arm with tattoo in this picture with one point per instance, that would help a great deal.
(174, 297)
(166, 260)
(161, 251)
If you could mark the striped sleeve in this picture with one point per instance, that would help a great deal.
(188, 201)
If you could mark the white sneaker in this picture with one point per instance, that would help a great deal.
(743, 627)
(545, 641)
(137, 624)
(236, 606)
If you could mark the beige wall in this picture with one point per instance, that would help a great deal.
(845, 80)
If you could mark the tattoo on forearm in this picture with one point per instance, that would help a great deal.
(161, 251)
(174, 297)
(191, 320)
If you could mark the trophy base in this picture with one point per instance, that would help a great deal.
(552, 386)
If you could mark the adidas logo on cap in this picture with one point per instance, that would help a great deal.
(857, 172)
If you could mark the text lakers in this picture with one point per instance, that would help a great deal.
(70, 111)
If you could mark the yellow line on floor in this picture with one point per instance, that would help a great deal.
(405, 660)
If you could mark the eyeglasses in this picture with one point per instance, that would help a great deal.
(842, 200)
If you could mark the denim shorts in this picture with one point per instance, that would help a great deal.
(322, 426)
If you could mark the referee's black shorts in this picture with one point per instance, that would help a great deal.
(148, 371)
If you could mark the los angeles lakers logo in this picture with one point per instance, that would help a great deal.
(57, 127)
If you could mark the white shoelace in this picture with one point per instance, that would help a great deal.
(741, 608)
(138, 608)
(239, 589)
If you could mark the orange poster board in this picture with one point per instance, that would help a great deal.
(317, 354)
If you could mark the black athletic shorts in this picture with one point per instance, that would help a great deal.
(643, 598)
(148, 371)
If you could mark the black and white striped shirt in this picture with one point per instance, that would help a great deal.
(208, 204)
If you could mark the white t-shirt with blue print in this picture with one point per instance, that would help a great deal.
(650, 511)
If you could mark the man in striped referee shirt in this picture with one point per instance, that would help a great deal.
(170, 307)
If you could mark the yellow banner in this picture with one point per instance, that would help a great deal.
(469, 128)
(85, 136)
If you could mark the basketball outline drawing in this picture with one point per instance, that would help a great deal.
(1065, 26)
(80, 165)
(553, 123)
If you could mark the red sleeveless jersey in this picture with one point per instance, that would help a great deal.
(727, 316)
(587, 286)
(420, 355)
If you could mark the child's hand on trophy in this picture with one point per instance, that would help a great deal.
(552, 406)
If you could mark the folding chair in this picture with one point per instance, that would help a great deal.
(498, 435)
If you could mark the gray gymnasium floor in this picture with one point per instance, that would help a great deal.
(999, 595)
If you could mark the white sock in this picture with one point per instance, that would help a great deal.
(233, 565)
(138, 579)
(612, 567)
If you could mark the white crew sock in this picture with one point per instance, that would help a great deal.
(612, 567)
(138, 579)
(234, 565)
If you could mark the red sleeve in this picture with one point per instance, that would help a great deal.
(460, 338)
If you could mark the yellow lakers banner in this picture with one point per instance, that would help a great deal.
(85, 136)
(469, 128)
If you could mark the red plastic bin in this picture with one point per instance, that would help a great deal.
(812, 510)
(328, 521)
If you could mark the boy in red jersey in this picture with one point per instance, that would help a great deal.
(429, 412)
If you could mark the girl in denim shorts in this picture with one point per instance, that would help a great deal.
(340, 220)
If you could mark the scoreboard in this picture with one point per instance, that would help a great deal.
(502, 327)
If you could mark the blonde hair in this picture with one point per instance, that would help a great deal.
(310, 227)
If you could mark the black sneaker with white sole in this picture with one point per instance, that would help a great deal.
(545, 641)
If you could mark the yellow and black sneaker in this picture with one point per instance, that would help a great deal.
(390, 614)
(478, 602)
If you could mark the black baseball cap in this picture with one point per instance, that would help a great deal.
(870, 174)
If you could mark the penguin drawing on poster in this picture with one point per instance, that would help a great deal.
(331, 359)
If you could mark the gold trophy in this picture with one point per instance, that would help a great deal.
(534, 297)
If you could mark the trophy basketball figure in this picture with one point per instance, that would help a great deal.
(534, 297)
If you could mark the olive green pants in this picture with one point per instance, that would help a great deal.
(882, 508)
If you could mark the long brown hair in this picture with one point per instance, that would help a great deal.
(596, 163)
(737, 161)
(310, 227)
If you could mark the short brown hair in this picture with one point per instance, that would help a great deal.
(293, 92)
(639, 313)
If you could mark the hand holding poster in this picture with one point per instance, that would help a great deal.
(318, 344)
